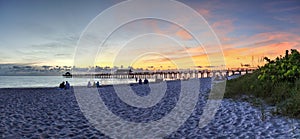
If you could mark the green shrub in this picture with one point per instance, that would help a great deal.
(282, 69)
(277, 83)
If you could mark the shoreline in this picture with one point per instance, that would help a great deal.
(53, 113)
(104, 85)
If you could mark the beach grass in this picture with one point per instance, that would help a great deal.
(285, 96)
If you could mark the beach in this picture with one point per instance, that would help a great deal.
(55, 113)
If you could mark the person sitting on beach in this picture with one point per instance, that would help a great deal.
(98, 84)
(62, 85)
(89, 85)
(140, 81)
(67, 86)
(146, 81)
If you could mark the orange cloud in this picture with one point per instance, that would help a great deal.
(184, 34)
(242, 49)
(250, 50)
(236, 56)
(204, 12)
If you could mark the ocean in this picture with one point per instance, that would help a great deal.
(53, 81)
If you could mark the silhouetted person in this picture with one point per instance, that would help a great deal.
(62, 85)
(89, 85)
(136, 79)
(146, 81)
(94, 84)
(98, 84)
(140, 81)
(67, 86)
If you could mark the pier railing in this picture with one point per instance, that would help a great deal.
(165, 74)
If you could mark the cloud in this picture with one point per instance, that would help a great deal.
(204, 12)
(247, 50)
(223, 28)
(289, 19)
(46, 52)
(284, 11)
(183, 35)
(281, 6)
(275, 36)
(270, 44)
(16, 69)
(62, 55)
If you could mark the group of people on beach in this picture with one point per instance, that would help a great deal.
(95, 84)
(64, 85)
(141, 82)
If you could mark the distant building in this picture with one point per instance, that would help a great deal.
(123, 71)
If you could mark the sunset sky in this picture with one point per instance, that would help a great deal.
(38, 32)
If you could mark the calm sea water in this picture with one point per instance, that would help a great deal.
(52, 81)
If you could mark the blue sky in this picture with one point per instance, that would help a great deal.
(46, 32)
(40, 31)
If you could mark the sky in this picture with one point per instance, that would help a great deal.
(34, 32)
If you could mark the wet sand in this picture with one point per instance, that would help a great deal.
(54, 113)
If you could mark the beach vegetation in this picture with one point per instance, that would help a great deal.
(277, 83)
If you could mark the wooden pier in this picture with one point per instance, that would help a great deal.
(172, 74)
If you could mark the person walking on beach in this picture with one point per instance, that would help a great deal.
(62, 85)
(67, 86)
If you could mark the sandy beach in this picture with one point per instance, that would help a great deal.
(54, 113)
